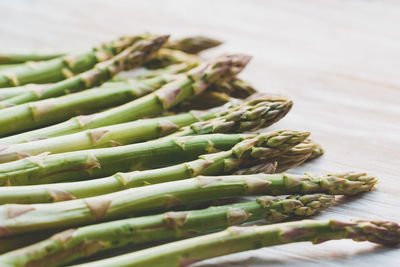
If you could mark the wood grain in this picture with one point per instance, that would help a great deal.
(338, 60)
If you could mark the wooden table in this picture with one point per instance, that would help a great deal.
(338, 60)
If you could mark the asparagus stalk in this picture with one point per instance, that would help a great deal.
(217, 95)
(295, 156)
(70, 245)
(129, 58)
(166, 57)
(193, 83)
(213, 164)
(236, 239)
(6, 93)
(317, 152)
(245, 117)
(100, 162)
(45, 112)
(194, 44)
(25, 218)
(257, 114)
(64, 67)
(21, 58)
(149, 73)
(236, 88)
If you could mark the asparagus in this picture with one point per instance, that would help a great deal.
(70, 245)
(212, 164)
(129, 58)
(257, 115)
(193, 45)
(295, 156)
(236, 239)
(217, 95)
(64, 67)
(25, 218)
(45, 112)
(6, 93)
(193, 83)
(317, 152)
(21, 58)
(149, 73)
(245, 117)
(100, 162)
(236, 88)
(166, 57)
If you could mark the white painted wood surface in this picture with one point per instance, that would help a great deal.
(338, 60)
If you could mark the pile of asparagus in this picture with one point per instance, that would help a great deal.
(92, 154)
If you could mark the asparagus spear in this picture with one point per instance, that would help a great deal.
(129, 58)
(193, 83)
(194, 44)
(70, 245)
(295, 156)
(100, 162)
(245, 117)
(257, 115)
(6, 93)
(236, 88)
(166, 57)
(21, 58)
(317, 152)
(217, 95)
(64, 67)
(45, 112)
(236, 239)
(25, 218)
(213, 164)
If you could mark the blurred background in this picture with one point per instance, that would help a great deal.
(338, 60)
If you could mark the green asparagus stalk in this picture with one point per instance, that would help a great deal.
(64, 67)
(245, 117)
(6, 93)
(150, 73)
(21, 58)
(217, 96)
(71, 245)
(219, 163)
(236, 88)
(317, 152)
(236, 239)
(166, 57)
(84, 164)
(257, 114)
(129, 58)
(53, 110)
(295, 156)
(193, 83)
(25, 218)
(268, 167)
(193, 45)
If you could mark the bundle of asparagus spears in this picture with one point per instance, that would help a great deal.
(95, 157)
